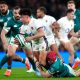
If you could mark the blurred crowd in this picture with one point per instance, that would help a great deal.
(56, 8)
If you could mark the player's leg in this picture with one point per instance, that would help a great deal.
(10, 52)
(68, 46)
(39, 54)
(53, 46)
(42, 54)
(74, 41)
(70, 71)
(30, 57)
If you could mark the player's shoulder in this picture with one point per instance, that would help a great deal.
(49, 17)
(62, 19)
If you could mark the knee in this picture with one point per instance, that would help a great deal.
(10, 51)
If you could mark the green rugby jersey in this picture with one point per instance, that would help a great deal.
(77, 20)
(13, 27)
(58, 69)
(5, 18)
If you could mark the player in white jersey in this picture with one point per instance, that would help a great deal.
(48, 22)
(26, 46)
(37, 37)
(75, 37)
(66, 25)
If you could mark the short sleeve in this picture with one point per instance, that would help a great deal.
(52, 20)
(60, 22)
(6, 26)
(38, 24)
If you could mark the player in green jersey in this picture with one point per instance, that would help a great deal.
(75, 36)
(57, 68)
(5, 15)
(10, 30)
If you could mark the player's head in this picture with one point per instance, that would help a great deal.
(51, 57)
(70, 14)
(41, 11)
(16, 12)
(3, 7)
(71, 5)
(25, 15)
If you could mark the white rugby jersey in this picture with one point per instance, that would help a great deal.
(47, 22)
(34, 25)
(24, 29)
(66, 25)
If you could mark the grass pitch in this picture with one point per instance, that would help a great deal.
(20, 74)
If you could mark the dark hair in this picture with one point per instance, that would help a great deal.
(69, 11)
(16, 7)
(71, 2)
(3, 2)
(42, 9)
(25, 11)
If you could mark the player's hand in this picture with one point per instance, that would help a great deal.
(28, 39)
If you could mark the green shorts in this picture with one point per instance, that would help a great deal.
(22, 42)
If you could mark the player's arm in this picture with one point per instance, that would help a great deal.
(72, 33)
(40, 31)
(43, 73)
(3, 36)
(39, 34)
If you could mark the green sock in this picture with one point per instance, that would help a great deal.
(9, 67)
(75, 55)
(33, 63)
(4, 60)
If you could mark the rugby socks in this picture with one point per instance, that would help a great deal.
(9, 67)
(4, 60)
(33, 63)
(9, 63)
(75, 55)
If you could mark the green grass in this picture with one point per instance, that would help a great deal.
(20, 74)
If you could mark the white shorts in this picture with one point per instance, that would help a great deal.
(57, 41)
(39, 47)
(64, 39)
(50, 40)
